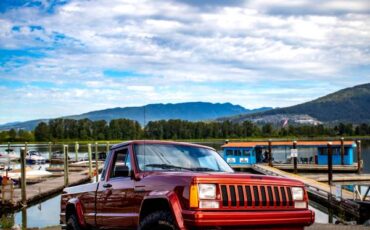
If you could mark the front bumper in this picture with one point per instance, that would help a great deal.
(268, 219)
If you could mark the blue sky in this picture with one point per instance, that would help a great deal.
(68, 57)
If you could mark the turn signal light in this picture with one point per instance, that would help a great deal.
(194, 197)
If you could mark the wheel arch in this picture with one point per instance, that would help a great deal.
(168, 202)
(74, 206)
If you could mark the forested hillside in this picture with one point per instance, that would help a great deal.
(350, 105)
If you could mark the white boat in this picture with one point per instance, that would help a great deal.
(9, 156)
(30, 173)
(34, 157)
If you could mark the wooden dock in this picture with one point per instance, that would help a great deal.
(316, 167)
(50, 186)
(310, 183)
(302, 167)
(343, 178)
(78, 174)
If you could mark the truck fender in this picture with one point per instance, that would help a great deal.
(75, 202)
(173, 202)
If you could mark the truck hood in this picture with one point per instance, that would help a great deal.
(222, 178)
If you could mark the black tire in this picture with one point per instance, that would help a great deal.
(160, 220)
(72, 223)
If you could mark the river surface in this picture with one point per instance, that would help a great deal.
(47, 212)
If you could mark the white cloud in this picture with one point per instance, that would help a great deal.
(169, 44)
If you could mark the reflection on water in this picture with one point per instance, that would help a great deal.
(41, 215)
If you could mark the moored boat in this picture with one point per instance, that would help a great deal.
(34, 157)
(30, 173)
(9, 156)
(57, 157)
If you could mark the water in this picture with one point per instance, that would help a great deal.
(47, 212)
(41, 215)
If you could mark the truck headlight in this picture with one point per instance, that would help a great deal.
(207, 191)
(297, 193)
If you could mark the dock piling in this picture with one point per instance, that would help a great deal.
(90, 160)
(24, 218)
(330, 164)
(359, 160)
(66, 179)
(76, 150)
(342, 150)
(96, 162)
(270, 154)
(295, 155)
(23, 174)
(50, 151)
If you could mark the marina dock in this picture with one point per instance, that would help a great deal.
(316, 167)
(49, 187)
(78, 173)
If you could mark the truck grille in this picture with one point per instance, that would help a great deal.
(256, 196)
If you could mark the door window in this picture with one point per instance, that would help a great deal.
(121, 164)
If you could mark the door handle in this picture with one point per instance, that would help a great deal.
(107, 185)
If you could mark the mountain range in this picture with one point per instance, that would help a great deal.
(349, 105)
(191, 111)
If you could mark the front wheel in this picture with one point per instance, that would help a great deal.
(72, 223)
(160, 220)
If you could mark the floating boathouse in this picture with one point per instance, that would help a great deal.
(309, 152)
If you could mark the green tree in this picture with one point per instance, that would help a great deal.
(12, 135)
(42, 132)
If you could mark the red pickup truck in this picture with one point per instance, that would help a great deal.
(150, 185)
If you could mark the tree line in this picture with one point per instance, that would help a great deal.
(124, 129)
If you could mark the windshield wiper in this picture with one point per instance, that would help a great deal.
(166, 166)
(203, 169)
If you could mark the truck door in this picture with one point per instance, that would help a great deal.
(114, 210)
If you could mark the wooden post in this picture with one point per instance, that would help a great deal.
(50, 151)
(295, 157)
(96, 162)
(76, 151)
(24, 218)
(66, 179)
(107, 149)
(330, 164)
(270, 154)
(23, 174)
(359, 159)
(90, 160)
(342, 150)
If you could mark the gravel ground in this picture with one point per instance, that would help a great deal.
(336, 226)
(313, 227)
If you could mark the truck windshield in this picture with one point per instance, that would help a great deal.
(169, 157)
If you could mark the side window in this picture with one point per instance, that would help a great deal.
(121, 164)
(106, 164)
(246, 153)
(237, 152)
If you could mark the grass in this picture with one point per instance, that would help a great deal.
(6, 222)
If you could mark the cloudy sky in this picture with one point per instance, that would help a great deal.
(62, 57)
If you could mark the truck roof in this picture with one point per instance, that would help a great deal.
(159, 142)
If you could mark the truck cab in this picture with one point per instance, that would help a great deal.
(170, 185)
